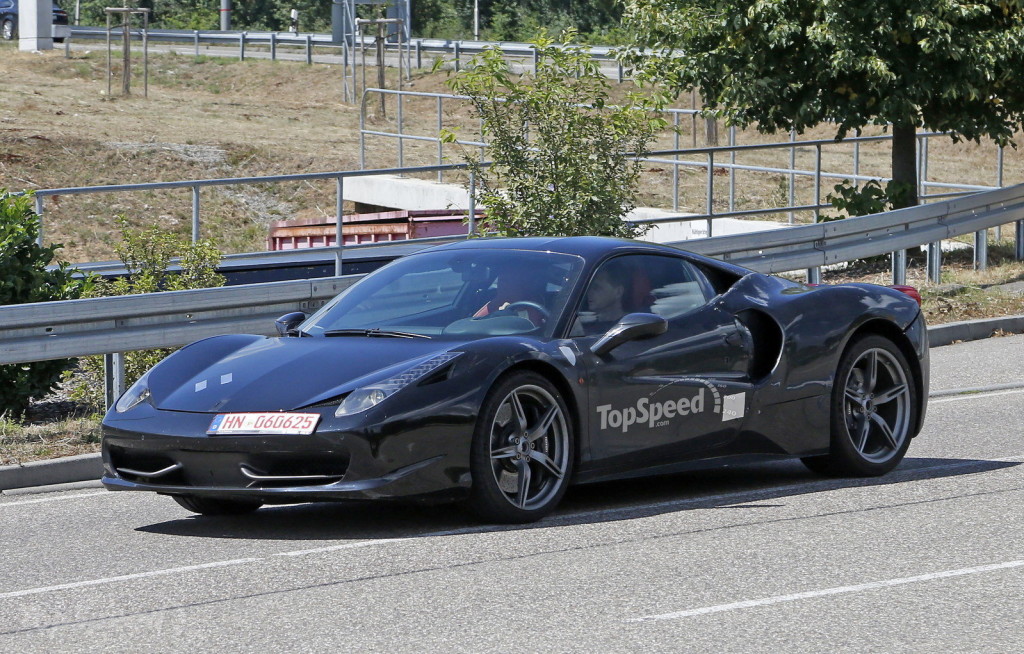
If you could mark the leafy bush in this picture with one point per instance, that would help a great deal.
(24, 278)
(559, 150)
(147, 256)
(866, 200)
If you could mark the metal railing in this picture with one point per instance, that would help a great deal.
(51, 330)
(709, 159)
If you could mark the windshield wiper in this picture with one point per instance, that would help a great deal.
(375, 332)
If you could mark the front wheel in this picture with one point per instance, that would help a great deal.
(215, 506)
(522, 452)
(7, 30)
(874, 411)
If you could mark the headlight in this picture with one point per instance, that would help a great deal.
(134, 396)
(370, 396)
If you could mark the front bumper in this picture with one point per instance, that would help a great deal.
(169, 452)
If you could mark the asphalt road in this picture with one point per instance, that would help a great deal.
(764, 558)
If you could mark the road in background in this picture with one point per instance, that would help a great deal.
(753, 558)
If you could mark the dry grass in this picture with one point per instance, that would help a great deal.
(20, 443)
(209, 118)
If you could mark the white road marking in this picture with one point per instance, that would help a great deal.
(825, 592)
(345, 546)
(111, 580)
(54, 499)
(974, 396)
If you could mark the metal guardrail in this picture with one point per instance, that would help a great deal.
(51, 330)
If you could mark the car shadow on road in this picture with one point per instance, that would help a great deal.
(719, 488)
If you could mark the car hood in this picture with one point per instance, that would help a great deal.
(255, 373)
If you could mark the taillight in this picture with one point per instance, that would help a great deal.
(909, 291)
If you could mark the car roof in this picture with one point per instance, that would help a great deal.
(588, 247)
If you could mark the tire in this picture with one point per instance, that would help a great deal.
(214, 506)
(873, 413)
(7, 30)
(523, 427)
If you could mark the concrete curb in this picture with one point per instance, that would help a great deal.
(83, 467)
(973, 330)
(89, 467)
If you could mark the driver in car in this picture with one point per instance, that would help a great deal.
(516, 291)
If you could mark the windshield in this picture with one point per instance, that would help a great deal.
(458, 293)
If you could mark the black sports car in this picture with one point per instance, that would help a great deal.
(501, 371)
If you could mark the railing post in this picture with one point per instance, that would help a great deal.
(814, 275)
(935, 262)
(241, 46)
(620, 72)
(401, 141)
(981, 249)
(999, 183)
(817, 182)
(472, 204)
(419, 54)
(440, 145)
(39, 214)
(710, 205)
(732, 169)
(113, 378)
(536, 59)
(273, 46)
(675, 168)
(458, 56)
(899, 267)
(195, 214)
(856, 164)
(339, 235)
(792, 175)
(195, 38)
(309, 49)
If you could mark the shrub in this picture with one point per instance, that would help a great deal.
(147, 256)
(25, 278)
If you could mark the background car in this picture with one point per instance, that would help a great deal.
(500, 371)
(9, 21)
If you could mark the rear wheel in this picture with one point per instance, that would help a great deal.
(522, 452)
(215, 506)
(7, 29)
(874, 410)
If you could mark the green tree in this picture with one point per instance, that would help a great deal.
(148, 256)
(25, 278)
(559, 149)
(945, 65)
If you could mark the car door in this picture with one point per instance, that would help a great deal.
(673, 396)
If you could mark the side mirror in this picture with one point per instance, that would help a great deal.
(287, 323)
(631, 327)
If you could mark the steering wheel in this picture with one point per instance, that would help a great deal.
(526, 304)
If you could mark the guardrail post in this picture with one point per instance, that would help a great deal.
(195, 39)
(273, 46)
(458, 55)
(620, 72)
(195, 214)
(113, 378)
(999, 183)
(536, 59)
(899, 267)
(472, 204)
(419, 54)
(814, 275)
(309, 49)
(339, 236)
(440, 145)
(401, 140)
(241, 46)
(1020, 240)
(981, 249)
(935, 262)
(39, 213)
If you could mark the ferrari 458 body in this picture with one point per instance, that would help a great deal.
(500, 371)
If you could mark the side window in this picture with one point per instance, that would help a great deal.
(665, 285)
